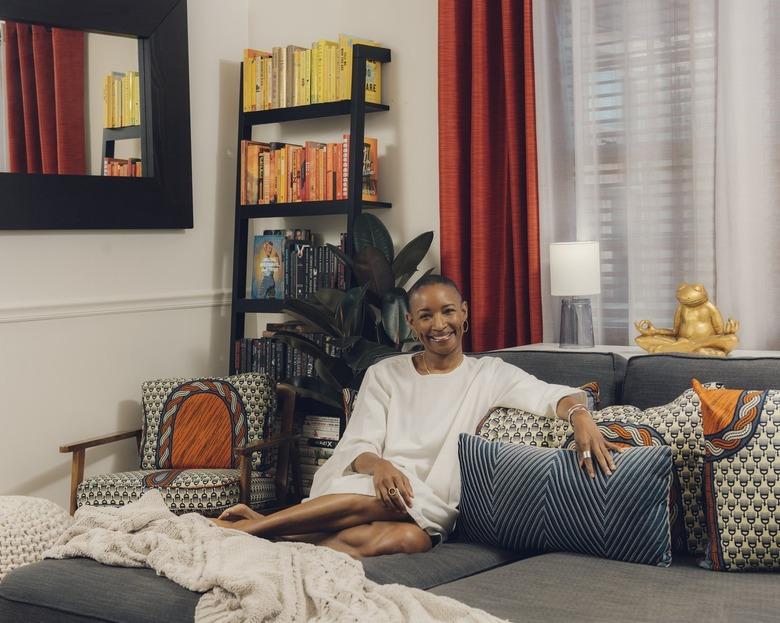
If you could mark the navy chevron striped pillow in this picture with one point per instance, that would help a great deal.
(528, 498)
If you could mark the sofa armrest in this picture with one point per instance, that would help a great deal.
(78, 448)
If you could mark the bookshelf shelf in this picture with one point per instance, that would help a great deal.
(118, 134)
(356, 109)
(304, 208)
(258, 306)
(312, 111)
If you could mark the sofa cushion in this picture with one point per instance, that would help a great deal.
(198, 422)
(631, 435)
(527, 498)
(658, 379)
(204, 491)
(444, 563)
(573, 587)
(570, 368)
(79, 590)
(679, 422)
(742, 478)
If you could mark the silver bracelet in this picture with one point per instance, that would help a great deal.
(572, 410)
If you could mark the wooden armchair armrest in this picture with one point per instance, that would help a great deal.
(102, 440)
(286, 404)
(79, 448)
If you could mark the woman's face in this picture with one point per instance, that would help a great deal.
(436, 314)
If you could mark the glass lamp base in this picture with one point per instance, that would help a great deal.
(576, 323)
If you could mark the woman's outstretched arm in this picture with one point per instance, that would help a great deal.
(590, 442)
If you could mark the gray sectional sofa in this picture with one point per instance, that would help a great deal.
(518, 587)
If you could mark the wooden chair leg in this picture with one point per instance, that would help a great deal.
(76, 476)
(245, 482)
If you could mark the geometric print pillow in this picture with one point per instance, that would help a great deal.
(742, 478)
(629, 435)
(196, 423)
(532, 499)
(510, 425)
(680, 424)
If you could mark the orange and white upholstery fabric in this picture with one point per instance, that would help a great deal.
(191, 428)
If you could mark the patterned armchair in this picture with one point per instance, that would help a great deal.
(206, 444)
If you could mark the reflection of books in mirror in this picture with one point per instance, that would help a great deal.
(121, 99)
(119, 167)
(268, 268)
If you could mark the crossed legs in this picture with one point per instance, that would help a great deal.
(358, 525)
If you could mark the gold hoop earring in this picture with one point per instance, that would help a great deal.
(465, 326)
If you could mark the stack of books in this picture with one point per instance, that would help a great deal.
(319, 436)
(297, 76)
(285, 267)
(121, 99)
(288, 173)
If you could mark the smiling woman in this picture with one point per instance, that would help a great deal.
(392, 483)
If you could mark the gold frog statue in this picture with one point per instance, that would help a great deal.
(698, 327)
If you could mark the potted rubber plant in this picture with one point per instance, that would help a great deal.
(366, 322)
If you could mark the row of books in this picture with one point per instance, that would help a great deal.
(296, 76)
(118, 167)
(276, 359)
(121, 99)
(319, 436)
(288, 173)
(294, 268)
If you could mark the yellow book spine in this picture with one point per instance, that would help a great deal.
(107, 101)
(307, 77)
(136, 98)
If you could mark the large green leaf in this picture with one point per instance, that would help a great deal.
(409, 258)
(369, 231)
(394, 309)
(346, 342)
(401, 281)
(349, 313)
(313, 314)
(302, 343)
(309, 387)
(326, 375)
(330, 298)
(340, 254)
(372, 268)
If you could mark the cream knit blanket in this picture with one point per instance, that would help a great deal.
(245, 578)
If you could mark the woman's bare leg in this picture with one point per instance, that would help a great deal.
(328, 513)
(378, 538)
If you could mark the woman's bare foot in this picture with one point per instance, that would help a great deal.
(238, 512)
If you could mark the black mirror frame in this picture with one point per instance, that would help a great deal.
(163, 200)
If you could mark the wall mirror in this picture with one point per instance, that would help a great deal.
(94, 115)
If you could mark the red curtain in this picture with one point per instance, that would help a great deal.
(44, 70)
(489, 213)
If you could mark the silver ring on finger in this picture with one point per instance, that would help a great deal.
(392, 491)
(586, 454)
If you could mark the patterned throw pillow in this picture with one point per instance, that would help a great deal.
(628, 435)
(680, 425)
(742, 477)
(527, 498)
(518, 426)
(196, 423)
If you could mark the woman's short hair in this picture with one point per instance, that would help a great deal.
(433, 280)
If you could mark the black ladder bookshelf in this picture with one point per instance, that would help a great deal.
(356, 108)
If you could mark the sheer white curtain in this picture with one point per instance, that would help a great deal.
(629, 101)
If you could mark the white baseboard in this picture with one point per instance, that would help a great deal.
(80, 309)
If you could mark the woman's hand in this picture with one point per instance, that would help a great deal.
(244, 525)
(391, 486)
(592, 445)
(238, 512)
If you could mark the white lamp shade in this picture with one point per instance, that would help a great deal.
(575, 269)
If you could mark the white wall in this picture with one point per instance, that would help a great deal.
(73, 350)
(85, 317)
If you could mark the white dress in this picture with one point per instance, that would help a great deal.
(413, 421)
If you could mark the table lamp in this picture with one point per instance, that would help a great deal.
(575, 273)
